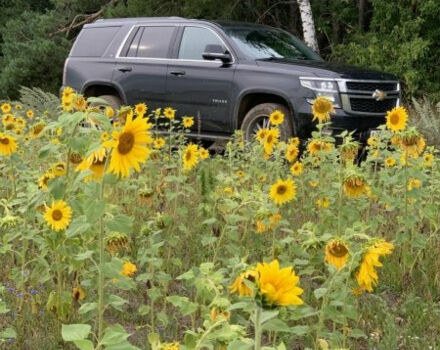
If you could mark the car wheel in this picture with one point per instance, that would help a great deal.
(258, 118)
(114, 101)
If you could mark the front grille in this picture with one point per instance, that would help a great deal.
(368, 105)
(364, 86)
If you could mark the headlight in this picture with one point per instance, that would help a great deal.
(327, 88)
(319, 85)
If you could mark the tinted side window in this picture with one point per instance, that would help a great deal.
(194, 41)
(92, 42)
(154, 42)
(132, 49)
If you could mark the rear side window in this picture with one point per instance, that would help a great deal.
(92, 42)
(151, 42)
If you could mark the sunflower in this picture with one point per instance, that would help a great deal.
(78, 293)
(140, 109)
(159, 142)
(6, 107)
(116, 241)
(354, 186)
(322, 108)
(276, 117)
(292, 152)
(313, 184)
(271, 140)
(43, 180)
(367, 276)
(216, 313)
(68, 92)
(109, 112)
(59, 169)
(396, 119)
(323, 202)
(8, 144)
(203, 153)
(75, 158)
(414, 183)
(18, 107)
(293, 141)
(315, 146)
(412, 143)
(58, 216)
(373, 141)
(128, 269)
(37, 129)
(190, 156)
(260, 227)
(240, 174)
(170, 346)
(336, 253)
(128, 147)
(428, 159)
(95, 162)
(261, 134)
(169, 113)
(296, 169)
(239, 285)
(188, 122)
(390, 162)
(348, 151)
(8, 119)
(67, 104)
(157, 112)
(80, 103)
(278, 286)
(283, 191)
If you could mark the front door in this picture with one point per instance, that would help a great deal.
(141, 67)
(198, 87)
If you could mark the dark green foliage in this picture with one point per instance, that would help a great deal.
(397, 36)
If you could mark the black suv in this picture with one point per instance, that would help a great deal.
(229, 75)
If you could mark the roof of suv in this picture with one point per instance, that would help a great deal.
(220, 23)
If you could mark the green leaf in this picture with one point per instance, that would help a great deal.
(84, 344)
(186, 307)
(94, 210)
(46, 150)
(320, 292)
(240, 345)
(3, 308)
(144, 309)
(78, 226)
(57, 187)
(114, 334)
(357, 333)
(117, 302)
(300, 330)
(87, 307)
(84, 256)
(71, 332)
(276, 325)
(268, 315)
(121, 223)
(8, 333)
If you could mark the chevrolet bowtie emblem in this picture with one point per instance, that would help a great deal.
(379, 95)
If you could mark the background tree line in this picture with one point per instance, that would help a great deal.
(400, 36)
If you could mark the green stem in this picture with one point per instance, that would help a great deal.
(101, 262)
(257, 328)
(14, 188)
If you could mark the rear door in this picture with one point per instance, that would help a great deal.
(141, 64)
(198, 87)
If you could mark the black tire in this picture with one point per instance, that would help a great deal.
(114, 101)
(258, 117)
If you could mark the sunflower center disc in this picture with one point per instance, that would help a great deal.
(338, 250)
(281, 189)
(394, 119)
(57, 215)
(126, 142)
(4, 141)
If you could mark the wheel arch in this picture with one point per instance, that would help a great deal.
(251, 98)
(98, 88)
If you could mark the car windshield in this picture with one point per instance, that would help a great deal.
(270, 44)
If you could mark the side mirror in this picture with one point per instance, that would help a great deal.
(217, 52)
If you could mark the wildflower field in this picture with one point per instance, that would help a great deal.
(116, 236)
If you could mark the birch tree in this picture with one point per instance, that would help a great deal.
(308, 24)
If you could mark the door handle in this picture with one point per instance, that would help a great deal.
(178, 73)
(125, 69)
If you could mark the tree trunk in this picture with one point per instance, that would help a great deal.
(362, 7)
(308, 24)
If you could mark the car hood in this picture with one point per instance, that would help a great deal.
(324, 69)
